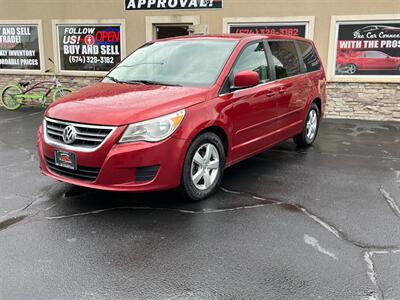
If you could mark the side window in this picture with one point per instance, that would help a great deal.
(310, 57)
(375, 54)
(253, 58)
(285, 58)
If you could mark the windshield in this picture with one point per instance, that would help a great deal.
(183, 63)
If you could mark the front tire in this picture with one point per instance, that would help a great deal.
(310, 130)
(203, 167)
(8, 97)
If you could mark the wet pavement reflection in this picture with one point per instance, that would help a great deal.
(290, 223)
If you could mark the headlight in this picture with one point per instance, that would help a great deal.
(153, 130)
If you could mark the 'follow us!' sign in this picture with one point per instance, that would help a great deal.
(172, 4)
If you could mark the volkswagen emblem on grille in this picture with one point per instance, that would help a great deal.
(69, 134)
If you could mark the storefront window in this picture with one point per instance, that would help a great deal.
(19, 47)
(269, 28)
(89, 47)
(367, 48)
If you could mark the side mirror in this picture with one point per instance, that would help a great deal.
(245, 79)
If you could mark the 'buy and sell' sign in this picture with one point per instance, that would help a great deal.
(172, 4)
(19, 47)
(368, 48)
(89, 47)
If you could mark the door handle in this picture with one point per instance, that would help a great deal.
(282, 91)
(270, 94)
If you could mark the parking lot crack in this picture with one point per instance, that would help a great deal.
(11, 221)
(183, 211)
(31, 154)
(36, 199)
(372, 274)
(319, 220)
(368, 250)
(313, 242)
(390, 200)
(385, 157)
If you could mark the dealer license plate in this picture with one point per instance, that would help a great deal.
(65, 159)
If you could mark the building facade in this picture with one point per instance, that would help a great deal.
(358, 40)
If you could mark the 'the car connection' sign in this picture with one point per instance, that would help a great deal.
(172, 4)
(371, 48)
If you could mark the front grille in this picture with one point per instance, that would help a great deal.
(82, 173)
(88, 137)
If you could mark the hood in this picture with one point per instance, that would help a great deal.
(118, 104)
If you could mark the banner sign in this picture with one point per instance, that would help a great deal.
(89, 47)
(172, 4)
(267, 28)
(19, 47)
(368, 49)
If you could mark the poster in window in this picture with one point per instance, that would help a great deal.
(368, 49)
(268, 28)
(89, 47)
(19, 47)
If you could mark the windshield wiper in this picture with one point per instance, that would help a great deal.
(147, 82)
(114, 79)
(140, 64)
(150, 82)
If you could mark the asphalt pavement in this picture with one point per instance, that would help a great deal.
(320, 223)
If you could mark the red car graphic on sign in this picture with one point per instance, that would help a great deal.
(366, 60)
(65, 158)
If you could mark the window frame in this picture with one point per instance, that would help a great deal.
(308, 21)
(300, 53)
(42, 56)
(240, 55)
(338, 20)
(226, 88)
(85, 22)
(302, 66)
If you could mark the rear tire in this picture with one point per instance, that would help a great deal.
(203, 167)
(8, 97)
(310, 130)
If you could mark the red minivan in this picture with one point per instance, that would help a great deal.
(177, 112)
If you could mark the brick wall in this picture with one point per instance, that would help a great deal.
(369, 101)
(73, 82)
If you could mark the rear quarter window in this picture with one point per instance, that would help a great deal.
(309, 56)
(284, 55)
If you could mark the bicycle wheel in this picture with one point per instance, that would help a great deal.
(8, 97)
(59, 93)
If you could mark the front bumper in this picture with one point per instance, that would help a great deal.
(118, 164)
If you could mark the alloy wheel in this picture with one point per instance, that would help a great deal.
(312, 124)
(205, 166)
